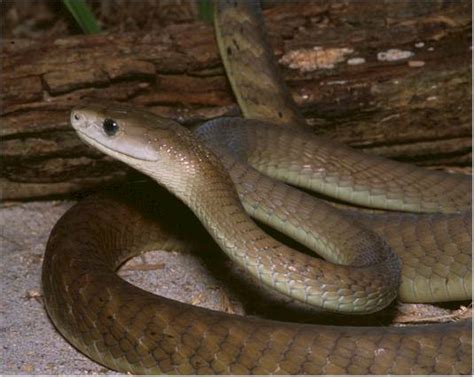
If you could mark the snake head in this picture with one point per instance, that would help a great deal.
(120, 131)
(158, 147)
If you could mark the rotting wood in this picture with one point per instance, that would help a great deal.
(414, 108)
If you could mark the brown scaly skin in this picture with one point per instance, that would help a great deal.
(171, 155)
(128, 329)
(250, 65)
(435, 249)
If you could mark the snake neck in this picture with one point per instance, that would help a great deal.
(199, 179)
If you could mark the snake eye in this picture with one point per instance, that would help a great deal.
(110, 127)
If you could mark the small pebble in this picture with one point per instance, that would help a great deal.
(28, 368)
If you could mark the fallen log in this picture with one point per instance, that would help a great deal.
(392, 79)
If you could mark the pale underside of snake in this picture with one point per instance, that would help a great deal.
(224, 171)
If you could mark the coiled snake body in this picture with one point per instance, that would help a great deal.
(215, 169)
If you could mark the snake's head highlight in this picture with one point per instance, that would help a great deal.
(116, 131)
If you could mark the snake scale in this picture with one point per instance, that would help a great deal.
(226, 169)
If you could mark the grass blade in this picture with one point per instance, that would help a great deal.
(83, 16)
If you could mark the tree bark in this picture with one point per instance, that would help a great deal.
(392, 79)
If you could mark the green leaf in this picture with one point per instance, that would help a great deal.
(83, 16)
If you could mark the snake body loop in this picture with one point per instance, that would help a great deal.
(217, 172)
(440, 242)
(124, 322)
(342, 173)
(127, 329)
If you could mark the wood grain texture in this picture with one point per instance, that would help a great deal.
(413, 109)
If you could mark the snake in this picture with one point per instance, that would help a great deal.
(228, 171)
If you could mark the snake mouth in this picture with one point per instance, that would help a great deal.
(104, 148)
(136, 151)
(93, 142)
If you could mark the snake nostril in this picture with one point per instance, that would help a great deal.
(76, 116)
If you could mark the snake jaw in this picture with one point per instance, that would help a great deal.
(126, 143)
